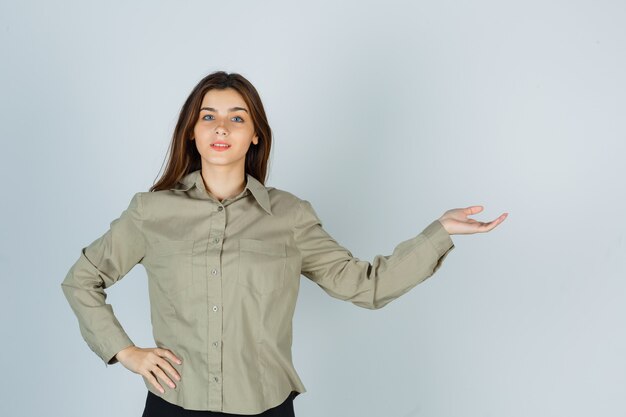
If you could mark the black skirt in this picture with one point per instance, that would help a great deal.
(158, 407)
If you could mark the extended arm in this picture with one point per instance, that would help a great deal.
(366, 284)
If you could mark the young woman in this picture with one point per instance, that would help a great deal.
(224, 254)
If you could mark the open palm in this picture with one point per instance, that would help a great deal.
(457, 222)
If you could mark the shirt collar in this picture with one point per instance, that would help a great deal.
(258, 190)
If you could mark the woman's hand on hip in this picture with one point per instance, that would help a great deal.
(456, 221)
(150, 363)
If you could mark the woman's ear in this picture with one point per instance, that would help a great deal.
(255, 140)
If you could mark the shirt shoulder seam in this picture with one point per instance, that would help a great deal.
(295, 218)
(140, 210)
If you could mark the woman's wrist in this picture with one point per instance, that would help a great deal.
(119, 355)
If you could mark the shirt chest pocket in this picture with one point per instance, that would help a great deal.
(261, 265)
(170, 265)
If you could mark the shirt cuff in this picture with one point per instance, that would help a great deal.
(112, 347)
(438, 237)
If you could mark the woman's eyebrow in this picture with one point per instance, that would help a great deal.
(231, 109)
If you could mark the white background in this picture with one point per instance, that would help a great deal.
(385, 114)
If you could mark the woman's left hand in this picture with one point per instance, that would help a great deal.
(456, 221)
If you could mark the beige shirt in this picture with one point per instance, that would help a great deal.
(223, 279)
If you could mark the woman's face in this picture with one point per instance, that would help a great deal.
(224, 117)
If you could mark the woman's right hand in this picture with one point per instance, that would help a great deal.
(150, 362)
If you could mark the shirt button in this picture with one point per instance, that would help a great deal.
(215, 344)
(214, 308)
(214, 271)
(215, 379)
(220, 208)
(217, 239)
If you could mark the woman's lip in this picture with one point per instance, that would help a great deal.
(220, 148)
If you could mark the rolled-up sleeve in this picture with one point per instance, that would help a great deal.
(101, 264)
(370, 285)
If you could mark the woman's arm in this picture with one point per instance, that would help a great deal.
(366, 284)
(100, 265)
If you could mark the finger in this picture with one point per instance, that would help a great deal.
(170, 369)
(161, 375)
(168, 353)
(472, 210)
(500, 219)
(489, 226)
(148, 375)
(165, 364)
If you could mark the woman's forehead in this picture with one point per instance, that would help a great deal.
(227, 98)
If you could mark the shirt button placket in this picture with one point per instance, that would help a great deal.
(214, 301)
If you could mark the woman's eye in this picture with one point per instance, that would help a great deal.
(209, 115)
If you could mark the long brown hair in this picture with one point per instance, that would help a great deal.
(184, 157)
